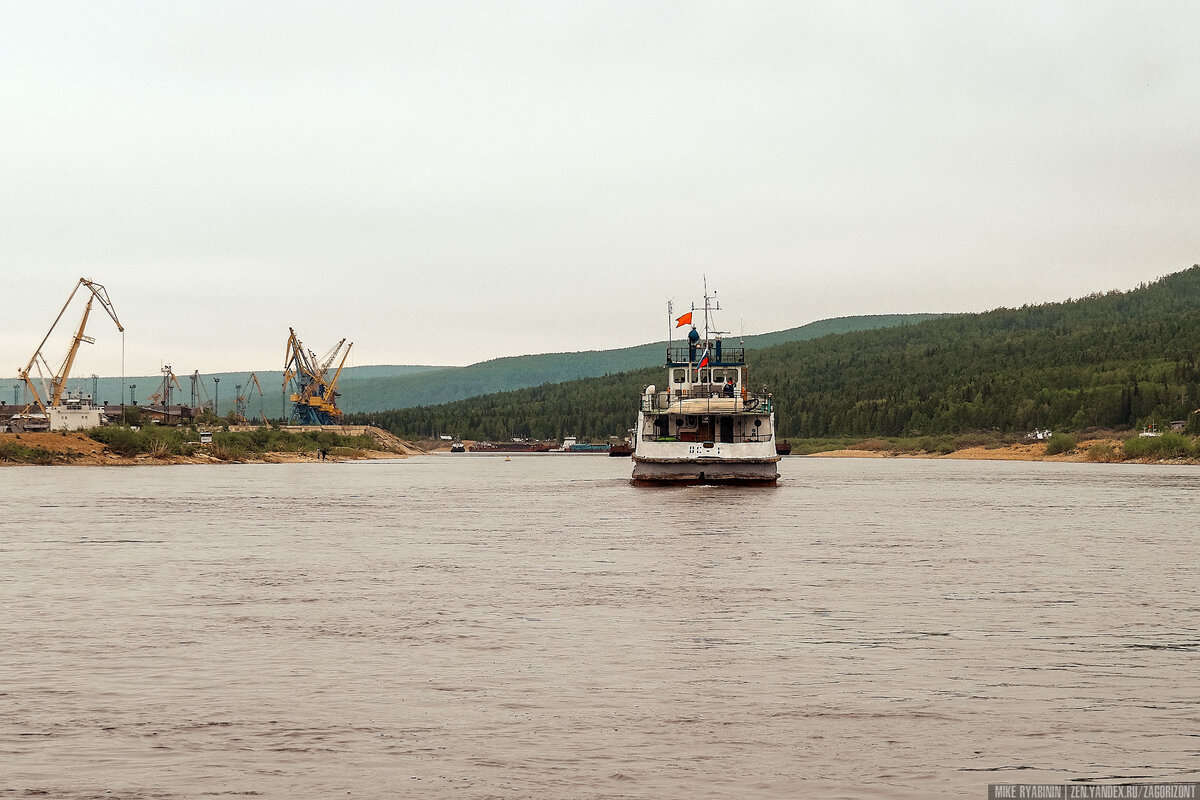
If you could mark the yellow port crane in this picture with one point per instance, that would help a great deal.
(58, 380)
(313, 393)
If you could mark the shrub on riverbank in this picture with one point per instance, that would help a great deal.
(806, 447)
(942, 445)
(156, 441)
(1061, 443)
(1103, 453)
(273, 440)
(14, 453)
(871, 445)
(1169, 445)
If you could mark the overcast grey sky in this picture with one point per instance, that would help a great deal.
(446, 182)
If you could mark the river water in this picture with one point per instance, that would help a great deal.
(462, 626)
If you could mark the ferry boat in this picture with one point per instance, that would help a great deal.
(705, 425)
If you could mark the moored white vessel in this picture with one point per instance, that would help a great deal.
(705, 425)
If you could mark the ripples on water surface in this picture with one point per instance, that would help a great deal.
(467, 627)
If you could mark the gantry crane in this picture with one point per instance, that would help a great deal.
(242, 400)
(163, 395)
(52, 392)
(313, 393)
(198, 390)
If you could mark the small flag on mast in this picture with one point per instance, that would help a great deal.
(686, 319)
(703, 359)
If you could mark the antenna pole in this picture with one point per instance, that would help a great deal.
(670, 326)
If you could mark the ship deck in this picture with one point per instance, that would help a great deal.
(714, 403)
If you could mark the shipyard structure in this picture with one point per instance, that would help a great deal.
(310, 383)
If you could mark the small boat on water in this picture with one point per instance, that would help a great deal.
(705, 425)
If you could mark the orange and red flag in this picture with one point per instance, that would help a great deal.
(686, 319)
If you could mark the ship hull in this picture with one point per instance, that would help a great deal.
(672, 460)
(683, 471)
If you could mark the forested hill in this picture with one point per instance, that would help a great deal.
(1115, 360)
(516, 372)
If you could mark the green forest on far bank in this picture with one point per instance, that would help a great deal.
(1117, 360)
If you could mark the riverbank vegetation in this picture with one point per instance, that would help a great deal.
(161, 442)
(127, 444)
(903, 445)
(12, 451)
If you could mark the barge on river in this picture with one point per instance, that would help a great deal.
(705, 425)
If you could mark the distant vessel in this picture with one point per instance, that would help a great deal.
(620, 449)
(706, 426)
(515, 446)
(571, 444)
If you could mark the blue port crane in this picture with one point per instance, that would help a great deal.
(312, 392)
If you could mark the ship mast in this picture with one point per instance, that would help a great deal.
(711, 304)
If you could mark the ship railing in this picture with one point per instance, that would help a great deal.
(706, 400)
(691, 436)
(726, 356)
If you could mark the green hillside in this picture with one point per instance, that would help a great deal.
(1116, 360)
(517, 372)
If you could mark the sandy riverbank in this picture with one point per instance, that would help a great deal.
(1032, 451)
(79, 449)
